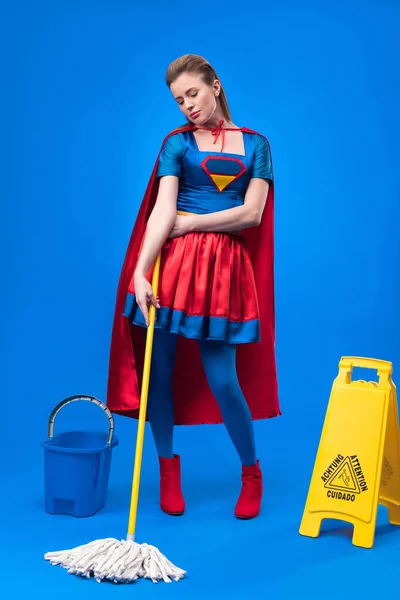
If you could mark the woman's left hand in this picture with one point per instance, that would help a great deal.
(181, 227)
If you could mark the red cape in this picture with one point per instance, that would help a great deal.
(256, 367)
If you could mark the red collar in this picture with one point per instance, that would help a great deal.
(219, 130)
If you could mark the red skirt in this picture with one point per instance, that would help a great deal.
(206, 289)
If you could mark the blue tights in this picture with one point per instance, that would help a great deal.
(219, 362)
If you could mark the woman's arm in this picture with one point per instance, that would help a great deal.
(160, 223)
(247, 215)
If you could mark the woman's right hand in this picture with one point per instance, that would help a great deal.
(144, 296)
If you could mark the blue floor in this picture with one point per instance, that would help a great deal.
(224, 557)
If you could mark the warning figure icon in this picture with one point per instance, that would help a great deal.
(344, 479)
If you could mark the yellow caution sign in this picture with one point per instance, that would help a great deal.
(357, 465)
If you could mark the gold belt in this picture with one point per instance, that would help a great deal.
(184, 212)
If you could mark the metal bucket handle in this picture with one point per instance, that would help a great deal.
(91, 399)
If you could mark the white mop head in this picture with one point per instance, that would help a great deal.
(117, 561)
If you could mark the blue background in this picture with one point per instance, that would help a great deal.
(84, 108)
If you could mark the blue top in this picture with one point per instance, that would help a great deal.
(213, 181)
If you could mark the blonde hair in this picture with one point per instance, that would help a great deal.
(193, 63)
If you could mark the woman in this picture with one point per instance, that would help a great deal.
(209, 208)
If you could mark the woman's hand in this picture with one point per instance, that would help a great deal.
(144, 295)
(181, 227)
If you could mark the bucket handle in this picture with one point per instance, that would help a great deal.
(75, 398)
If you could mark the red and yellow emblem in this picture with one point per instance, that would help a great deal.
(223, 170)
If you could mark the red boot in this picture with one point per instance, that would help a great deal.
(249, 502)
(171, 498)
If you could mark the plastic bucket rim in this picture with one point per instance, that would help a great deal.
(49, 445)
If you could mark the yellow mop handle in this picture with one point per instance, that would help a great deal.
(143, 405)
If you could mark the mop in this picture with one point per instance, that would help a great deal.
(125, 561)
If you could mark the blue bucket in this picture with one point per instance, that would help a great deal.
(77, 465)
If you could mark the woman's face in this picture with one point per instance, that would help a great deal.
(195, 98)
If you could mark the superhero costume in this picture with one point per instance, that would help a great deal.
(239, 307)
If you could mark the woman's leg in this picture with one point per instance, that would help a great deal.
(219, 361)
(160, 405)
(160, 410)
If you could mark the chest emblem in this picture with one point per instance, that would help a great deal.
(223, 170)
